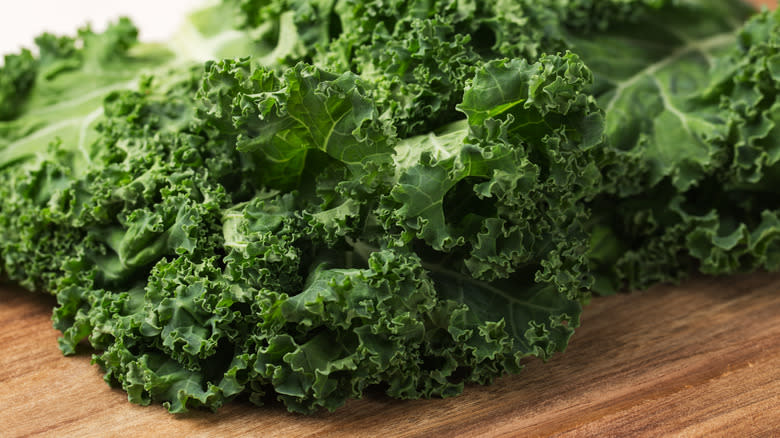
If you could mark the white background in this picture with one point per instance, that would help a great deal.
(22, 20)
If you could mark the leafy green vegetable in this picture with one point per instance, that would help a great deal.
(692, 155)
(410, 195)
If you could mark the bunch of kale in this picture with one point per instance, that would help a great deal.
(403, 194)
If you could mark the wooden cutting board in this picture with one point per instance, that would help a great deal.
(700, 359)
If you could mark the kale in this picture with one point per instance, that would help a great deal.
(310, 199)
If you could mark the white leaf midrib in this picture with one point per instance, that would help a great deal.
(198, 49)
(701, 45)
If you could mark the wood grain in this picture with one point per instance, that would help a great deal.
(701, 359)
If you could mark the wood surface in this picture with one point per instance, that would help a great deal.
(699, 359)
(768, 3)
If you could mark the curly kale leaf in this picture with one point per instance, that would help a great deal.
(315, 288)
(56, 96)
(17, 76)
(690, 120)
(403, 194)
(522, 151)
(297, 122)
(294, 29)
